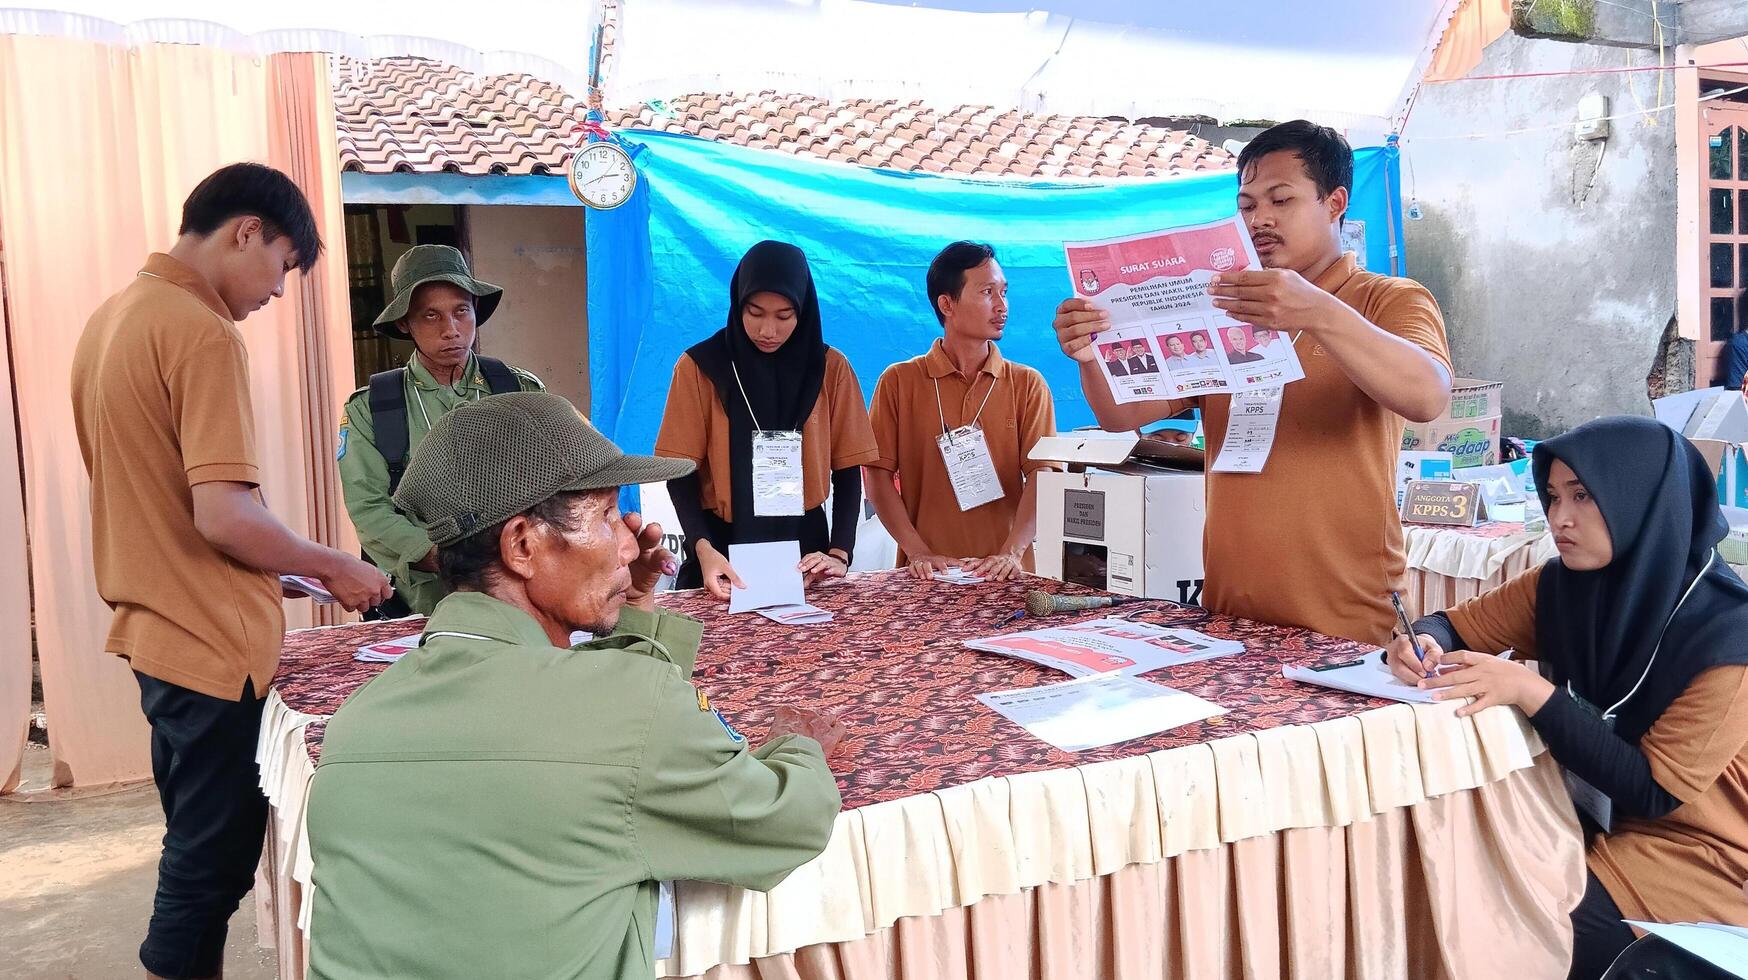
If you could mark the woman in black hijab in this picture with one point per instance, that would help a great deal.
(774, 418)
(1641, 631)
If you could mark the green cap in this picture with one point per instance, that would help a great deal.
(433, 263)
(487, 461)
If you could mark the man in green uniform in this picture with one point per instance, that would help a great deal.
(438, 305)
(497, 804)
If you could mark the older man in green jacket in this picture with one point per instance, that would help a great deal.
(501, 804)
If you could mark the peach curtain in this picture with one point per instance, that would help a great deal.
(101, 144)
(1476, 24)
(14, 583)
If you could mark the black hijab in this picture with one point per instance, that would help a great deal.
(1597, 630)
(782, 386)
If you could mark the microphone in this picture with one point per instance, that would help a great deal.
(1040, 603)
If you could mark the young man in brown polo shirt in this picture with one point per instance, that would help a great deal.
(184, 550)
(1314, 539)
(954, 428)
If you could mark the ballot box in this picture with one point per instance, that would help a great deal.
(1126, 517)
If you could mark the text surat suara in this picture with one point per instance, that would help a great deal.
(1167, 339)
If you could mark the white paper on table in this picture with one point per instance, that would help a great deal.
(305, 585)
(1103, 645)
(1167, 338)
(387, 651)
(1725, 947)
(957, 576)
(772, 572)
(1368, 675)
(801, 615)
(1100, 710)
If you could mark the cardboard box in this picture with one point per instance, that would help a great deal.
(1117, 522)
(1472, 398)
(1471, 442)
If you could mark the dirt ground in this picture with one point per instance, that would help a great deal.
(76, 882)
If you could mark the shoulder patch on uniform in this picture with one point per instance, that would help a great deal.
(703, 701)
(737, 736)
(345, 433)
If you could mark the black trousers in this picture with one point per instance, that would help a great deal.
(1653, 959)
(203, 758)
(1598, 934)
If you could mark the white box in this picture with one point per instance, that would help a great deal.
(1122, 526)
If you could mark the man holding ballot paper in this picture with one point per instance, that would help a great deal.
(1302, 528)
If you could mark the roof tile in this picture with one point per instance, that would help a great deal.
(412, 115)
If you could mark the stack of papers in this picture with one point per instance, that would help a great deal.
(304, 585)
(797, 615)
(1097, 711)
(772, 573)
(1106, 645)
(1366, 675)
(958, 576)
(387, 651)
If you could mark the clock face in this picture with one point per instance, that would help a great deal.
(602, 175)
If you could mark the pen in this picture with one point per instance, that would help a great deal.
(1408, 630)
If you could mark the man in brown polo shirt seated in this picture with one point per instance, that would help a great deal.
(183, 548)
(953, 485)
(1313, 539)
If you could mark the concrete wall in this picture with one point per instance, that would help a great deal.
(537, 255)
(1554, 259)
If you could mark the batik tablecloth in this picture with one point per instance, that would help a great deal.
(1448, 565)
(1306, 830)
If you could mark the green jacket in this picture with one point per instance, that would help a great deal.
(492, 806)
(391, 540)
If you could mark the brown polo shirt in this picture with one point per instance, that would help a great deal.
(1314, 540)
(907, 423)
(834, 437)
(161, 403)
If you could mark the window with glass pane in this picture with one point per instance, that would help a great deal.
(1721, 265)
(1741, 155)
(1723, 314)
(1722, 151)
(1742, 278)
(1723, 214)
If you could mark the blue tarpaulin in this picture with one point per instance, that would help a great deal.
(659, 265)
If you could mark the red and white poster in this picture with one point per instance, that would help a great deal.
(1167, 339)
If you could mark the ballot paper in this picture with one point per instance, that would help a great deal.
(772, 573)
(1104, 645)
(957, 576)
(799, 615)
(1099, 710)
(304, 585)
(1167, 338)
(1725, 947)
(387, 651)
(1366, 675)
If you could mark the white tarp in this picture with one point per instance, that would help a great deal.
(550, 39)
(1349, 64)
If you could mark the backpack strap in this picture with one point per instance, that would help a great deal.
(499, 378)
(388, 416)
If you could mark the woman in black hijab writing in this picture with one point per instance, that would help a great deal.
(1641, 631)
(775, 420)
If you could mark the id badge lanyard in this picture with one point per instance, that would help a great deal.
(966, 454)
(777, 480)
(1595, 802)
